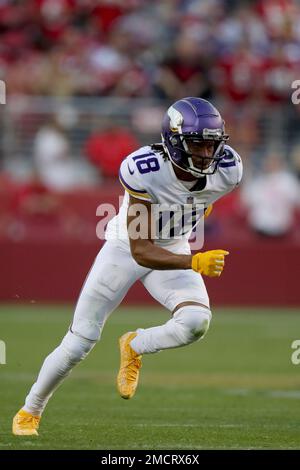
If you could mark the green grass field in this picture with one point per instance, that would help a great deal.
(236, 389)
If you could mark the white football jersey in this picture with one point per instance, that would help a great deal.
(149, 175)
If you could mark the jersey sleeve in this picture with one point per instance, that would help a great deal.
(239, 164)
(131, 181)
(232, 162)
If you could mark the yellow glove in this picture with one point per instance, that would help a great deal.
(211, 263)
(208, 211)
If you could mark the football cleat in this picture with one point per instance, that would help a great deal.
(25, 424)
(131, 363)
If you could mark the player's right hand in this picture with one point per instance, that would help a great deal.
(211, 263)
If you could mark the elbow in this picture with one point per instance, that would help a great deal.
(139, 255)
(139, 258)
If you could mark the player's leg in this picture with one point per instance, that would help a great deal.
(183, 293)
(111, 275)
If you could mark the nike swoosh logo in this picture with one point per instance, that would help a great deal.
(131, 172)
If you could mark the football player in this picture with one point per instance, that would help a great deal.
(192, 163)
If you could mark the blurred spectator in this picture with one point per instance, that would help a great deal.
(106, 148)
(271, 198)
(54, 164)
(236, 74)
(183, 73)
(278, 71)
(242, 126)
(106, 13)
(54, 16)
(278, 15)
(33, 200)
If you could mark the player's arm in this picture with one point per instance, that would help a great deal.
(142, 246)
(149, 255)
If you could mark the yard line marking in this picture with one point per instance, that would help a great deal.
(290, 394)
(198, 425)
(284, 393)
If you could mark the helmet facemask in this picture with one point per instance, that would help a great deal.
(202, 164)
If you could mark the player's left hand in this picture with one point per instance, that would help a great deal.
(211, 263)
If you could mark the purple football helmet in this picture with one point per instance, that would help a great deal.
(192, 121)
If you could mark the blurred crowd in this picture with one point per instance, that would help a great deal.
(242, 55)
(168, 49)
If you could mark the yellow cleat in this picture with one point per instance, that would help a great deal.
(131, 362)
(25, 424)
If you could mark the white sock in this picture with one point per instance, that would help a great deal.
(188, 324)
(55, 369)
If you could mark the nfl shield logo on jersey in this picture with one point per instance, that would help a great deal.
(190, 200)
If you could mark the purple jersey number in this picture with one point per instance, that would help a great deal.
(146, 162)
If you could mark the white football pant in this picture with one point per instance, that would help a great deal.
(112, 274)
